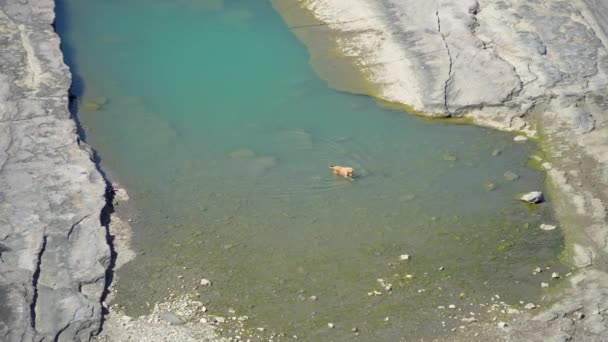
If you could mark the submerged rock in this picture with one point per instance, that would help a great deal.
(511, 176)
(449, 157)
(489, 186)
(547, 227)
(94, 104)
(533, 197)
(241, 154)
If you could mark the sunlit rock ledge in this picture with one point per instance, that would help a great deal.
(53, 248)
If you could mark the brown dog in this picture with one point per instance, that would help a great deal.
(343, 171)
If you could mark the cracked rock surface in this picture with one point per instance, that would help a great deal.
(53, 248)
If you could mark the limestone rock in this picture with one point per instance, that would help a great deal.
(532, 197)
(171, 318)
(55, 253)
(547, 226)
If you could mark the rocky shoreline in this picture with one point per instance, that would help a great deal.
(54, 251)
(538, 68)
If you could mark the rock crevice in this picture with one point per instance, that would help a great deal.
(451, 62)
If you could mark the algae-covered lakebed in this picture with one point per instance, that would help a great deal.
(210, 115)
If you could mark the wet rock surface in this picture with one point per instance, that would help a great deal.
(54, 252)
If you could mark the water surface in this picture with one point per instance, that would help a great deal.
(222, 134)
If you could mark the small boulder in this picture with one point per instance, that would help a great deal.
(532, 197)
(520, 138)
(530, 306)
(547, 226)
(404, 257)
(171, 318)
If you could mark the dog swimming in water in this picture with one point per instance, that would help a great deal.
(342, 171)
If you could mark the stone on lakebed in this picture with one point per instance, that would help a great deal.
(532, 197)
(547, 226)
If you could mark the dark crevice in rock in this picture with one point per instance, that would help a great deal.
(75, 91)
(35, 278)
(106, 218)
(74, 226)
(449, 79)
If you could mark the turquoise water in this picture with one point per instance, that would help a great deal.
(214, 121)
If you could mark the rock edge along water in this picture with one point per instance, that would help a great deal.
(537, 67)
(53, 249)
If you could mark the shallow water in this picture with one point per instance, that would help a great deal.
(222, 134)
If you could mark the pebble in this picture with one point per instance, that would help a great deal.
(404, 257)
(555, 275)
(469, 320)
(502, 325)
(530, 306)
(452, 306)
(330, 325)
(441, 268)
(496, 153)
(520, 138)
(205, 282)
(354, 329)
(220, 319)
(538, 270)
(313, 298)
(547, 227)
(544, 285)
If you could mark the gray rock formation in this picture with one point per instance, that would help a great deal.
(53, 249)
